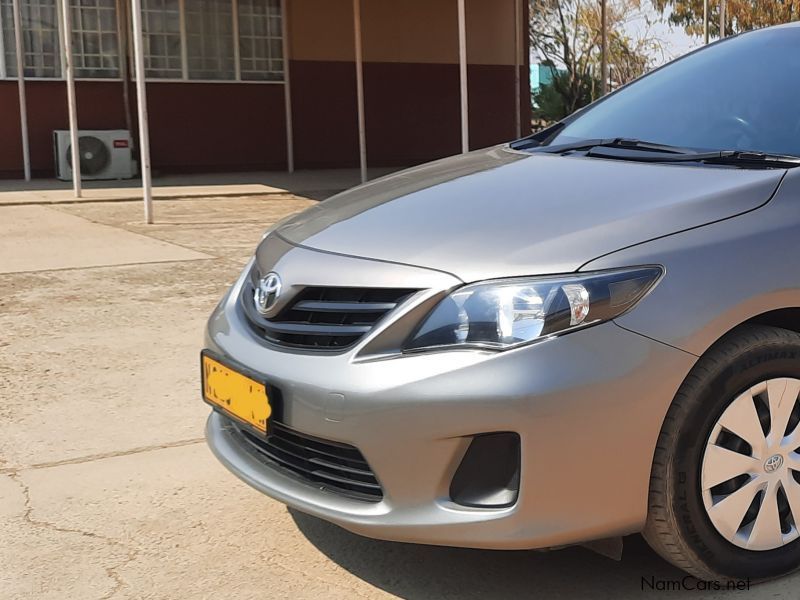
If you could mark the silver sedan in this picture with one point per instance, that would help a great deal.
(587, 333)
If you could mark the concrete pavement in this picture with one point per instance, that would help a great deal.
(38, 238)
(106, 487)
(313, 184)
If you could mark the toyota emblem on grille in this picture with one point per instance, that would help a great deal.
(267, 292)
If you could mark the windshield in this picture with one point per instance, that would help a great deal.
(741, 94)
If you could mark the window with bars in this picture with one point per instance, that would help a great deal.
(260, 40)
(95, 45)
(208, 40)
(40, 26)
(161, 24)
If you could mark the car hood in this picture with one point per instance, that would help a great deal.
(502, 213)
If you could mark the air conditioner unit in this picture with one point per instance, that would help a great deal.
(104, 154)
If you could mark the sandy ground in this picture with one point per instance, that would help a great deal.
(106, 486)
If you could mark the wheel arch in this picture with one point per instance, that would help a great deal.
(784, 318)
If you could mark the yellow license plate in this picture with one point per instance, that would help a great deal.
(235, 393)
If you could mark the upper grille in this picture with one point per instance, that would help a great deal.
(325, 318)
(334, 466)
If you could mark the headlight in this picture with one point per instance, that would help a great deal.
(507, 313)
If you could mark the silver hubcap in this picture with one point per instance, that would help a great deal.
(751, 467)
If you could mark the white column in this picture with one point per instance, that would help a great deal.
(122, 45)
(518, 66)
(3, 73)
(184, 43)
(237, 65)
(23, 107)
(462, 63)
(287, 88)
(141, 105)
(69, 75)
(362, 134)
(60, 16)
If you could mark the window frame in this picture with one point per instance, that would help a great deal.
(82, 29)
(237, 75)
(4, 65)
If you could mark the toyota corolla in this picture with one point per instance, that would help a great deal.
(583, 334)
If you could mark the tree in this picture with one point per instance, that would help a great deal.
(567, 34)
(631, 58)
(561, 34)
(549, 99)
(740, 15)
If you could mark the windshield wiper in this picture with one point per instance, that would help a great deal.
(621, 143)
(763, 160)
(641, 151)
(755, 159)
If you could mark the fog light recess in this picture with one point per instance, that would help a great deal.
(488, 476)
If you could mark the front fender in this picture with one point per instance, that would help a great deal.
(718, 275)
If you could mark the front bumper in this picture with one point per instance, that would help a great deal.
(587, 406)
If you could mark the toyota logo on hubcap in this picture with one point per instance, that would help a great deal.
(773, 463)
(267, 293)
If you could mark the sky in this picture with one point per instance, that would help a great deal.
(676, 42)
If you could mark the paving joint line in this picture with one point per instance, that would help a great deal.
(47, 202)
(112, 266)
(14, 471)
(127, 227)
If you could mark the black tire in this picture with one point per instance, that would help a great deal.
(678, 527)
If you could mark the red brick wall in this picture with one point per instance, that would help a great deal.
(412, 115)
(216, 127)
(412, 111)
(99, 103)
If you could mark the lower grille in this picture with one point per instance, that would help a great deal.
(325, 318)
(336, 467)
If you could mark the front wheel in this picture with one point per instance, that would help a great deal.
(725, 486)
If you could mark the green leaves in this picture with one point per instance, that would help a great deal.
(741, 15)
(567, 34)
